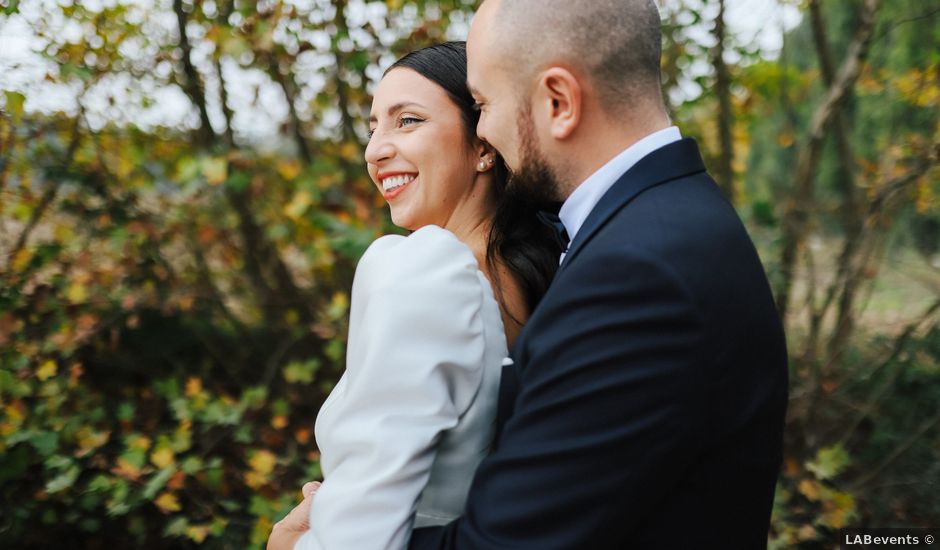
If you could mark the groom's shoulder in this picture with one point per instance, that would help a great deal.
(674, 215)
(686, 227)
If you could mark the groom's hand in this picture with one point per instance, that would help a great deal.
(285, 533)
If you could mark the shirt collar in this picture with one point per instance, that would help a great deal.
(586, 196)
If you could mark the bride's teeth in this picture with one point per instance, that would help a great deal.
(396, 181)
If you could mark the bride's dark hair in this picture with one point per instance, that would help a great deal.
(517, 239)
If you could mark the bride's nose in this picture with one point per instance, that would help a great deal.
(379, 149)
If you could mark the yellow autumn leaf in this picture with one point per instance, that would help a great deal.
(15, 411)
(193, 386)
(298, 205)
(289, 169)
(215, 170)
(140, 442)
(261, 531)
(197, 533)
(186, 302)
(47, 370)
(7, 429)
(807, 532)
(89, 440)
(124, 167)
(279, 422)
(167, 502)
(125, 469)
(839, 511)
(76, 293)
(809, 489)
(263, 462)
(162, 457)
(21, 260)
(255, 480)
(350, 151)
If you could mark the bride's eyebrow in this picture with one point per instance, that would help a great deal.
(398, 107)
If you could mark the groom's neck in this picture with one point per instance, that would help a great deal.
(601, 137)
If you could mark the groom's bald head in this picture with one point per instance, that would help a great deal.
(615, 43)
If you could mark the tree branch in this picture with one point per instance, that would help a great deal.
(192, 86)
(924, 427)
(796, 219)
(342, 87)
(52, 189)
(289, 87)
(899, 344)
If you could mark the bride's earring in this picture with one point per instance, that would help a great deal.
(482, 166)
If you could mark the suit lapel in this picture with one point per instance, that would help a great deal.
(676, 160)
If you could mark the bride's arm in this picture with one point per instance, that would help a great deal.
(414, 364)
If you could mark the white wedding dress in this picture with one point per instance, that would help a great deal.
(404, 429)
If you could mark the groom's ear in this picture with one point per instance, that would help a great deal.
(563, 96)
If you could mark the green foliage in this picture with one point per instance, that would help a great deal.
(173, 301)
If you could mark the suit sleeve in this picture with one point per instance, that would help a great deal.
(608, 416)
(413, 366)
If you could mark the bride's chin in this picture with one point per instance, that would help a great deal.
(402, 220)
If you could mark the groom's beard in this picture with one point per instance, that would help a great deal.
(535, 182)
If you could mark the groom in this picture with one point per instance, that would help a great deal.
(646, 404)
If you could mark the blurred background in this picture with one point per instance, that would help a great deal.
(183, 201)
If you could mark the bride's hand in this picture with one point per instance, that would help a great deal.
(286, 532)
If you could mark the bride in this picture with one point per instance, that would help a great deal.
(406, 426)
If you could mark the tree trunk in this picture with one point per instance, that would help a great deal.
(725, 172)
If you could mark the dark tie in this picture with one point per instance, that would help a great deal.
(553, 221)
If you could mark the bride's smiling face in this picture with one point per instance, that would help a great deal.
(419, 155)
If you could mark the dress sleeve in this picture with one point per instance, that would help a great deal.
(414, 365)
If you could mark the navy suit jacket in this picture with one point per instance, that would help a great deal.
(646, 404)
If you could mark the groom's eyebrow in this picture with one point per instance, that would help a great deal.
(398, 107)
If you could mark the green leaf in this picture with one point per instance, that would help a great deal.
(219, 412)
(15, 101)
(176, 527)
(12, 7)
(118, 505)
(157, 482)
(45, 442)
(829, 462)
(238, 180)
(214, 478)
(301, 371)
(63, 481)
(253, 398)
(13, 462)
(192, 465)
(125, 412)
(89, 525)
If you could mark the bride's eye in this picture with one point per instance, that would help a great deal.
(370, 133)
(409, 120)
